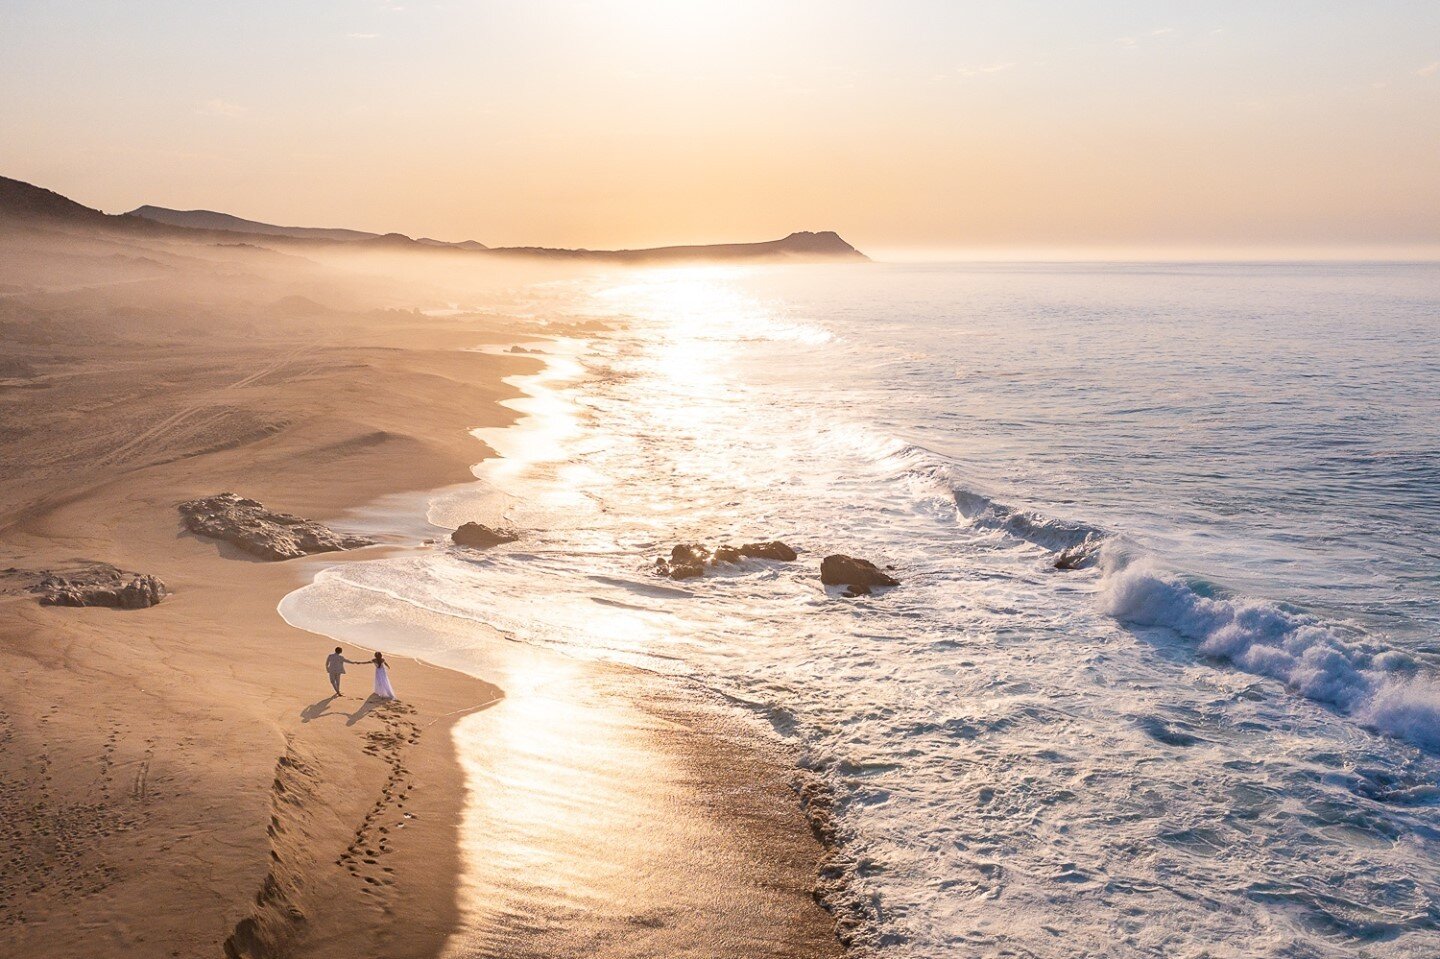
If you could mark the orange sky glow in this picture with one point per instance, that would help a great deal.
(987, 128)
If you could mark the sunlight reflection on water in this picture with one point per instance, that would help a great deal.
(1016, 770)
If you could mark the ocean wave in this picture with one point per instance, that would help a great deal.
(1381, 687)
(1377, 685)
(1079, 543)
(1060, 536)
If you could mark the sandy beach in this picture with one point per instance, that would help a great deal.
(789, 480)
(177, 781)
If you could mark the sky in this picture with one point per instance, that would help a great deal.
(905, 125)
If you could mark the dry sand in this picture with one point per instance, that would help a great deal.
(176, 781)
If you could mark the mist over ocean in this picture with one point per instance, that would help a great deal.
(1220, 737)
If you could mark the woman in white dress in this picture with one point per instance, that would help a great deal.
(382, 678)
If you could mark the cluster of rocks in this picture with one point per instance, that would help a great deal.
(247, 524)
(860, 575)
(98, 584)
(689, 560)
(480, 536)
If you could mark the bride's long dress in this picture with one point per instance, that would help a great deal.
(382, 683)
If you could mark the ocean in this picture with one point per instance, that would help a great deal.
(1219, 736)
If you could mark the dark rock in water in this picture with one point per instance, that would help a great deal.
(255, 529)
(99, 584)
(521, 349)
(854, 590)
(727, 554)
(690, 553)
(859, 574)
(772, 550)
(689, 560)
(480, 536)
(1075, 557)
(679, 570)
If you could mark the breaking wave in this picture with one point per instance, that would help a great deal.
(981, 511)
(1058, 536)
(1379, 686)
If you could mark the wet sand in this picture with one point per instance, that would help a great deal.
(614, 813)
(177, 780)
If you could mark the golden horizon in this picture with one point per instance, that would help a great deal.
(637, 124)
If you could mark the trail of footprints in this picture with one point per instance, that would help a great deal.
(59, 839)
(363, 858)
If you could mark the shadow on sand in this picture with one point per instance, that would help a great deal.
(322, 708)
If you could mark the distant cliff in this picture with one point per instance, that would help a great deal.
(22, 202)
(826, 245)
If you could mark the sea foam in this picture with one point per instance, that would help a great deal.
(1379, 686)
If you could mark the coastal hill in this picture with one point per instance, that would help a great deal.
(25, 201)
(210, 220)
(22, 202)
(804, 245)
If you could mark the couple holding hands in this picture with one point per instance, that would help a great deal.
(335, 666)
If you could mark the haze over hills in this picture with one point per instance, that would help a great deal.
(210, 220)
(799, 245)
(22, 202)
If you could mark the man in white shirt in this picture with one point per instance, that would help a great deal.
(335, 666)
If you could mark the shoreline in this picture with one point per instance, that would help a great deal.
(200, 800)
(230, 732)
(649, 724)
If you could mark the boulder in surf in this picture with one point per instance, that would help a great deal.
(860, 575)
(480, 536)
